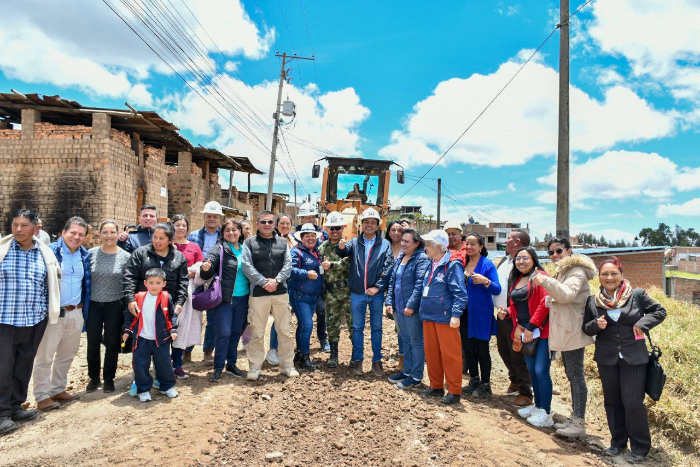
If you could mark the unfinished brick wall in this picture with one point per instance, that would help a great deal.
(188, 192)
(643, 270)
(685, 287)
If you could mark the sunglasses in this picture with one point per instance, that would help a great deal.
(558, 251)
(335, 228)
(266, 222)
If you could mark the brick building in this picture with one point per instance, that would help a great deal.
(643, 266)
(101, 163)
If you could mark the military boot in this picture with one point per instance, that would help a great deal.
(333, 359)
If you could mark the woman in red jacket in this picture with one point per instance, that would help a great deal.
(529, 310)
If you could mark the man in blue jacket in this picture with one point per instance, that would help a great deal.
(148, 218)
(61, 340)
(370, 267)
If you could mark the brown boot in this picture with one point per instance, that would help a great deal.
(513, 389)
(65, 397)
(186, 357)
(357, 369)
(47, 404)
(400, 366)
(521, 401)
(209, 356)
(377, 369)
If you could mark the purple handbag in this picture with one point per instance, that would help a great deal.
(206, 299)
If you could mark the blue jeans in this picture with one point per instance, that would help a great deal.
(358, 306)
(538, 366)
(304, 307)
(141, 362)
(320, 324)
(411, 336)
(209, 334)
(228, 320)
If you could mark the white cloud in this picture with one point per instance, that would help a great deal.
(688, 179)
(522, 123)
(689, 208)
(83, 44)
(660, 38)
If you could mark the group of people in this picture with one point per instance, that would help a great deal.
(447, 299)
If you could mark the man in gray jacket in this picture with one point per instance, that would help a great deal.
(267, 264)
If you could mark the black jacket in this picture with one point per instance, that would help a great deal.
(145, 258)
(138, 238)
(618, 337)
(228, 272)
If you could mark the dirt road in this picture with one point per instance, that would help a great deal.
(324, 418)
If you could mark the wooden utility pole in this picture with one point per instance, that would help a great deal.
(296, 207)
(439, 192)
(276, 116)
(562, 227)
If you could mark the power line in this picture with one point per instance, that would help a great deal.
(308, 32)
(491, 102)
(464, 207)
(289, 154)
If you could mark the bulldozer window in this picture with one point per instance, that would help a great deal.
(362, 187)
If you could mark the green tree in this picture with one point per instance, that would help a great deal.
(662, 236)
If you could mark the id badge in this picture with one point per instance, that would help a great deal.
(425, 290)
(320, 271)
(548, 301)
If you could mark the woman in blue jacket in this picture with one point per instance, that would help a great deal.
(305, 286)
(403, 300)
(443, 300)
(480, 324)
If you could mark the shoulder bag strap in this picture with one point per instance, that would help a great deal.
(221, 261)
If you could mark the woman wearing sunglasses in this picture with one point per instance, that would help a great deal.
(569, 290)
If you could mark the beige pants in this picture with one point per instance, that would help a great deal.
(258, 311)
(55, 354)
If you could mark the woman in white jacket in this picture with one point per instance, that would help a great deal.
(569, 290)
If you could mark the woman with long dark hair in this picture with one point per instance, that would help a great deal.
(529, 310)
(394, 233)
(480, 324)
(231, 314)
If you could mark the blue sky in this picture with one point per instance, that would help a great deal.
(402, 80)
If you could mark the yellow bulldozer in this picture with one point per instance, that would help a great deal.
(351, 185)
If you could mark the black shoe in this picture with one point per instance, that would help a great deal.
(297, 358)
(215, 376)
(22, 415)
(613, 451)
(325, 346)
(450, 399)
(483, 391)
(306, 363)
(469, 389)
(108, 385)
(333, 359)
(433, 392)
(93, 385)
(234, 371)
(635, 458)
(7, 425)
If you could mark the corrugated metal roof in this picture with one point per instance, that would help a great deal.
(620, 250)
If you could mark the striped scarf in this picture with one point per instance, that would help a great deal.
(619, 298)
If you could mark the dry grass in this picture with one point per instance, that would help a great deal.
(675, 419)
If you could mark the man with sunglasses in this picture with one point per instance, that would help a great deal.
(267, 264)
(336, 281)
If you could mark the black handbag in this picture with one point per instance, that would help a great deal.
(656, 378)
(530, 348)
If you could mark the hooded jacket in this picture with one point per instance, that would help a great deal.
(145, 258)
(53, 274)
(138, 238)
(569, 290)
(87, 281)
(371, 273)
(446, 297)
(411, 280)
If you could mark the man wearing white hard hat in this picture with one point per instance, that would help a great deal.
(457, 247)
(371, 260)
(309, 215)
(336, 281)
(206, 237)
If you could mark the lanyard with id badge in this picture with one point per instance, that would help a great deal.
(430, 279)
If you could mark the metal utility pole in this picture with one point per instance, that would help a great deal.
(562, 227)
(276, 116)
(439, 196)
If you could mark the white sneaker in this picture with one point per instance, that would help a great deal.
(290, 372)
(253, 375)
(540, 418)
(171, 393)
(526, 412)
(272, 357)
(144, 396)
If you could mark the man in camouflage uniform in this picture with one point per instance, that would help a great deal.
(336, 283)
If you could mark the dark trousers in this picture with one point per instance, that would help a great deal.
(141, 361)
(104, 326)
(514, 361)
(321, 319)
(229, 321)
(478, 357)
(623, 396)
(18, 347)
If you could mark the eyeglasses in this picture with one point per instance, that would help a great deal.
(558, 251)
(335, 228)
(266, 222)
(522, 259)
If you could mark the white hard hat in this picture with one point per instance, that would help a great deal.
(370, 213)
(452, 225)
(334, 219)
(306, 228)
(212, 207)
(438, 236)
(307, 209)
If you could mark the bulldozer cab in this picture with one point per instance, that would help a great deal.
(351, 185)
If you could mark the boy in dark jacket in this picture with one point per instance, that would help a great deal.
(156, 326)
